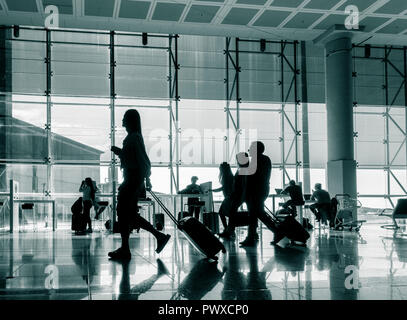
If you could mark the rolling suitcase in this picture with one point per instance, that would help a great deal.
(294, 231)
(199, 235)
(287, 227)
(78, 222)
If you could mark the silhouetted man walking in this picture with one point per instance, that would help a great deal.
(258, 188)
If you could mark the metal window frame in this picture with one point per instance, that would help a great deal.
(388, 166)
(232, 85)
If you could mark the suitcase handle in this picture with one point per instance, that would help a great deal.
(272, 214)
(163, 206)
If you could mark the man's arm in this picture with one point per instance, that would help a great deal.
(116, 150)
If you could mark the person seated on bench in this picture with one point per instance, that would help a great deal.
(238, 195)
(322, 206)
(226, 180)
(295, 193)
(193, 203)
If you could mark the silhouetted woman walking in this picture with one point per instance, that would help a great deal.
(226, 180)
(136, 169)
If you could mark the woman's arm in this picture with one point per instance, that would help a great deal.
(217, 190)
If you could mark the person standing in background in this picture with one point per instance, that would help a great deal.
(88, 197)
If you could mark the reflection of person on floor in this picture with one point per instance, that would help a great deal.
(295, 193)
(128, 293)
(88, 197)
(83, 258)
(256, 286)
(258, 188)
(203, 277)
(238, 195)
(323, 203)
(136, 169)
(193, 203)
(226, 180)
(234, 280)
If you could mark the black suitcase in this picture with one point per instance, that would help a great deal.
(286, 227)
(294, 231)
(78, 222)
(199, 235)
(211, 221)
(183, 214)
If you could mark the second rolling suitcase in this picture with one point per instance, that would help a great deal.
(288, 227)
(199, 235)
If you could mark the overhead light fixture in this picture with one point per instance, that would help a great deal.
(367, 50)
(16, 31)
(263, 45)
(145, 38)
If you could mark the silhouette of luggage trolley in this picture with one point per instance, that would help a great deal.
(344, 218)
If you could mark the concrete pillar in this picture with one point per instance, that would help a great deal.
(341, 166)
(5, 106)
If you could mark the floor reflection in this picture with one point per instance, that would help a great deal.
(335, 265)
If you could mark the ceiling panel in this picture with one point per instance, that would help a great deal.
(303, 20)
(168, 11)
(361, 4)
(321, 4)
(99, 8)
(239, 16)
(287, 3)
(64, 6)
(211, 0)
(22, 5)
(132, 9)
(331, 20)
(393, 7)
(201, 14)
(395, 27)
(271, 18)
(371, 23)
(253, 2)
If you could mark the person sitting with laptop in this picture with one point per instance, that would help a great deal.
(296, 197)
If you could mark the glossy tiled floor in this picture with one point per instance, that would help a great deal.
(46, 265)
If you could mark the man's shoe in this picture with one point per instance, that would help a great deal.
(248, 242)
(120, 254)
(161, 242)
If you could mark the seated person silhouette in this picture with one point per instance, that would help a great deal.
(322, 205)
(297, 198)
(193, 203)
(226, 180)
